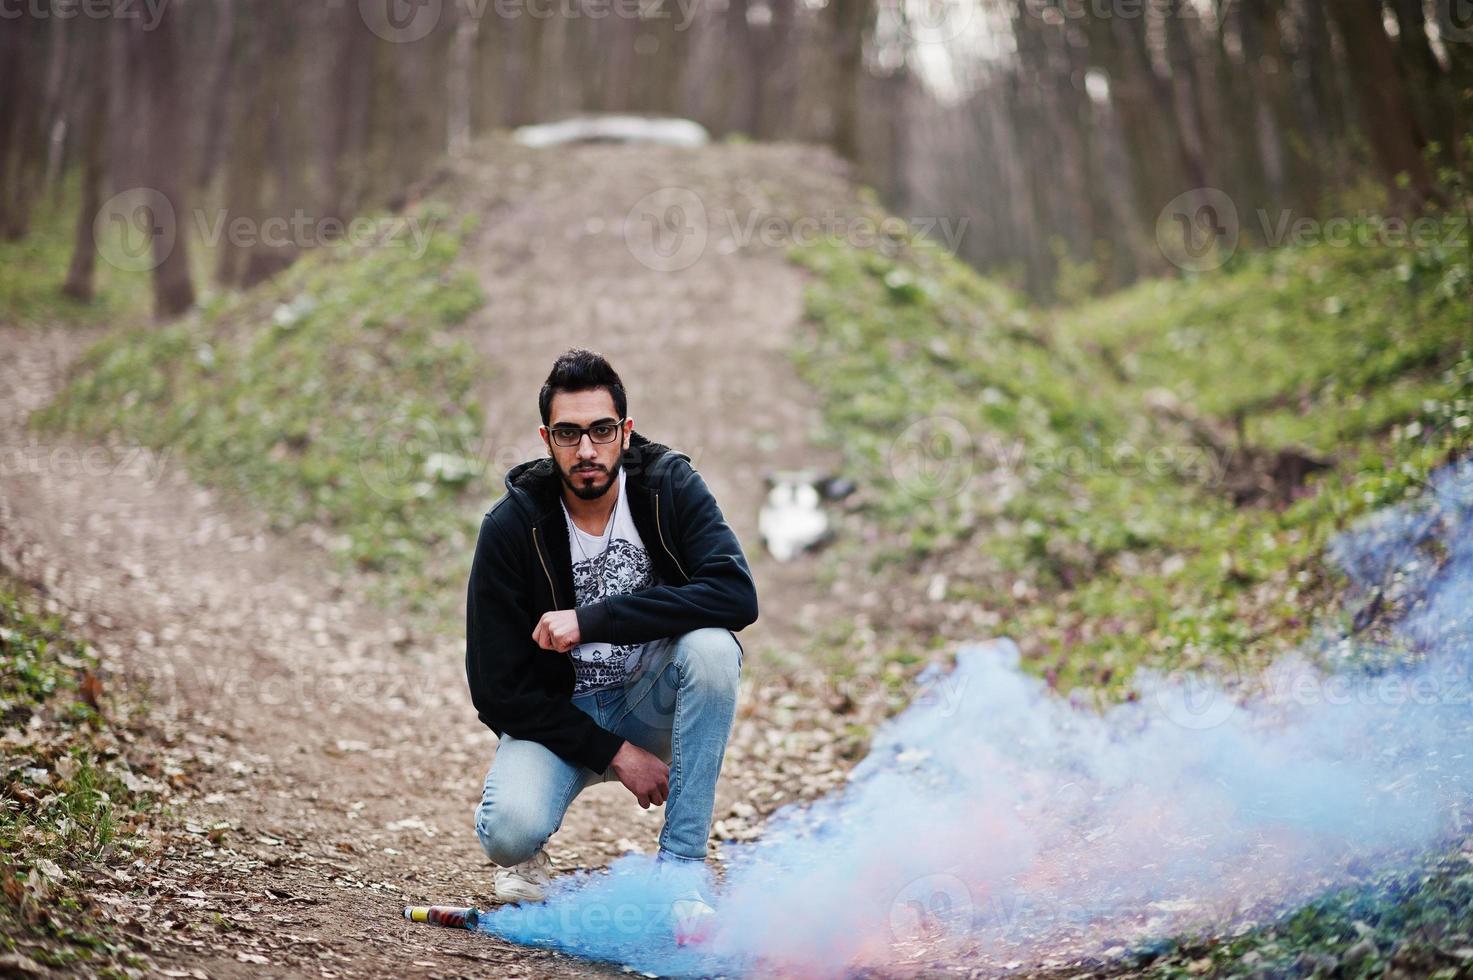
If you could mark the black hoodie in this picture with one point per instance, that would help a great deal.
(522, 568)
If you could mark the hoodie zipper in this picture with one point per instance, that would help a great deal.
(661, 535)
(537, 544)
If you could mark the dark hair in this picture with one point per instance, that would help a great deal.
(579, 370)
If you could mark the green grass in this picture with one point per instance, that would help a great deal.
(33, 269)
(1008, 448)
(70, 802)
(1413, 921)
(330, 396)
(1065, 468)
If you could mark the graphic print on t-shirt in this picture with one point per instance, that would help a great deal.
(626, 568)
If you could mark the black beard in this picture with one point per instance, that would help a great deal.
(591, 493)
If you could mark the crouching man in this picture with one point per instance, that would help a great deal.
(602, 598)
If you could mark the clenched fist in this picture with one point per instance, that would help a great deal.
(557, 630)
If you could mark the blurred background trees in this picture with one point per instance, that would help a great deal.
(1057, 128)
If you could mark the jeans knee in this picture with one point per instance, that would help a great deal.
(711, 658)
(508, 837)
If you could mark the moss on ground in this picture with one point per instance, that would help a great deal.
(1407, 922)
(1102, 479)
(1103, 476)
(331, 397)
(75, 802)
(33, 269)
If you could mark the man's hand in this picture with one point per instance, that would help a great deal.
(643, 774)
(557, 630)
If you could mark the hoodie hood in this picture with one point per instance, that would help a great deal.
(535, 487)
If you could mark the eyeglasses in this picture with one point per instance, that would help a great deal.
(568, 436)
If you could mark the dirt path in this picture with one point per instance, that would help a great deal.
(671, 261)
(341, 755)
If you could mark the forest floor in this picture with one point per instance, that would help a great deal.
(292, 750)
(327, 763)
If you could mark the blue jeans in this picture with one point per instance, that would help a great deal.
(678, 703)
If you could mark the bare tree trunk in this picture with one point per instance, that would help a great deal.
(848, 20)
(346, 148)
(1185, 89)
(1426, 81)
(156, 57)
(524, 67)
(1387, 119)
(54, 120)
(1155, 169)
(777, 64)
(246, 165)
(1455, 22)
(742, 77)
(619, 83)
(13, 48)
(22, 131)
(458, 84)
(92, 133)
(1263, 56)
(224, 56)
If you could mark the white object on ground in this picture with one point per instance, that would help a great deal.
(667, 131)
(525, 882)
(791, 519)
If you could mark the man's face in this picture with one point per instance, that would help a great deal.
(589, 468)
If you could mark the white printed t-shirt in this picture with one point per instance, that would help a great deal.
(626, 568)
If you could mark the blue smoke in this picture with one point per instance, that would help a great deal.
(993, 823)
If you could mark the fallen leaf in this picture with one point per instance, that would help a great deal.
(90, 690)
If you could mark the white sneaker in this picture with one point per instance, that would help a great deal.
(525, 882)
(692, 919)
